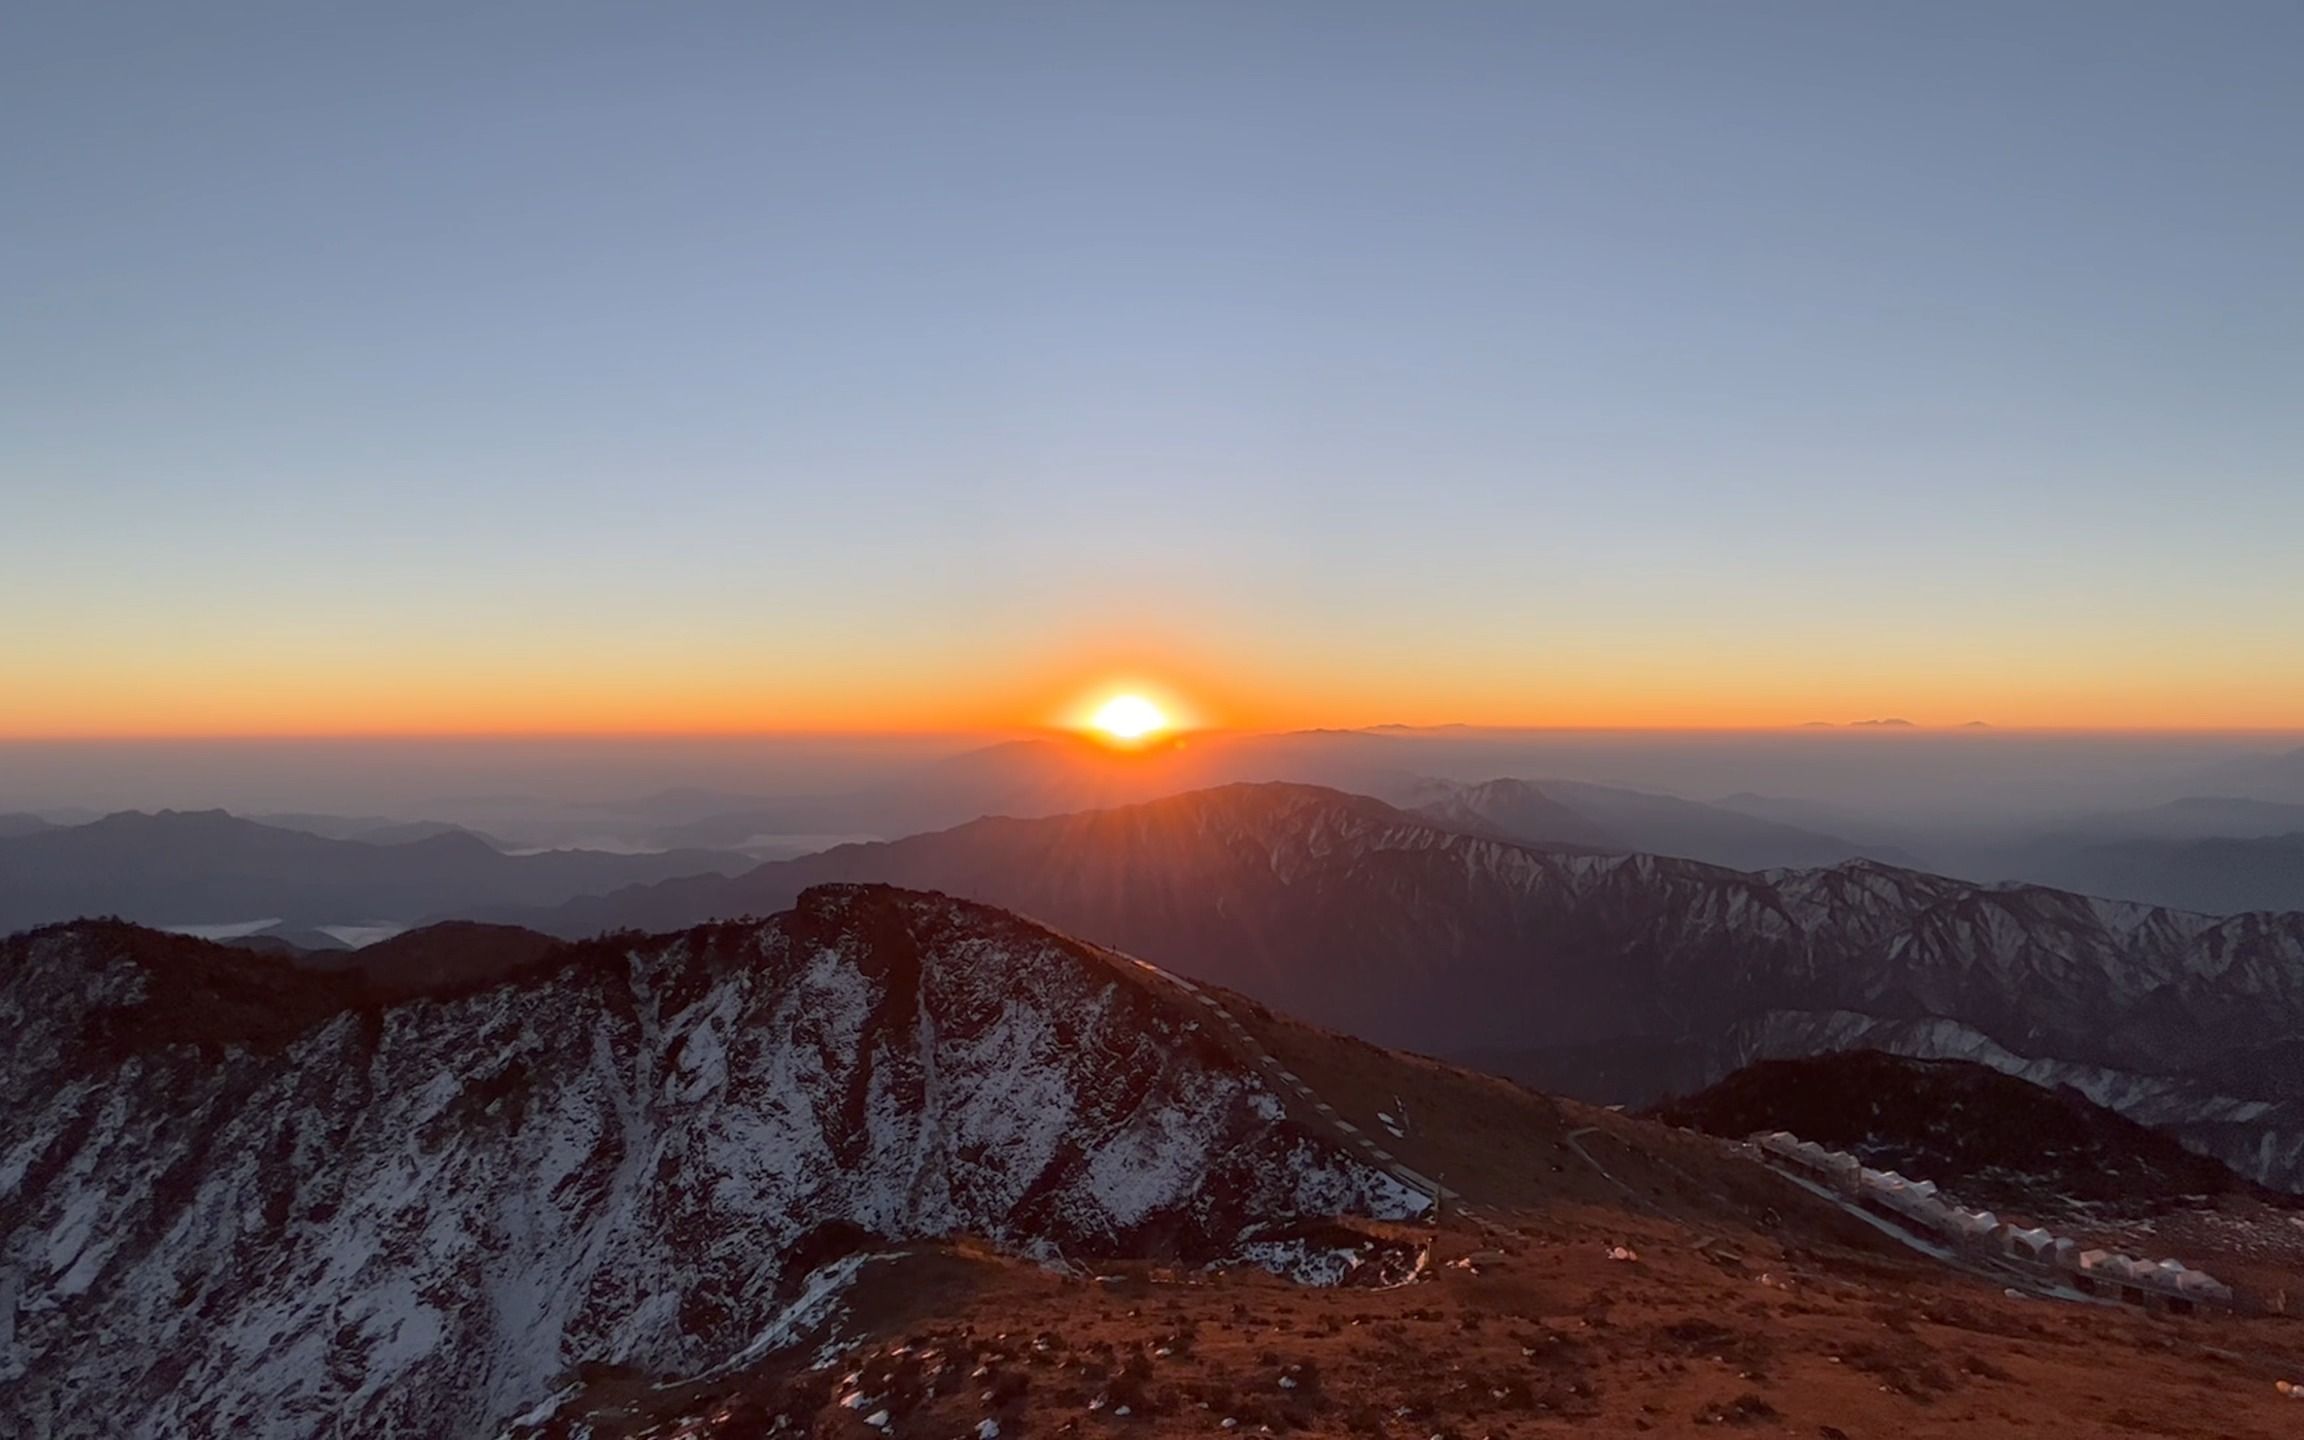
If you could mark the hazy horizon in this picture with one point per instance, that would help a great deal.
(1911, 774)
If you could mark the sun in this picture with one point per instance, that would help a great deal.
(1128, 717)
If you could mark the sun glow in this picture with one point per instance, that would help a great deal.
(1128, 717)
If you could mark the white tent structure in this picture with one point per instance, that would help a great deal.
(1832, 1167)
(1881, 1187)
(1918, 1203)
(2114, 1273)
(1973, 1227)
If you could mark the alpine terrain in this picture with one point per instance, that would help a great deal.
(891, 1164)
(1622, 977)
(239, 1199)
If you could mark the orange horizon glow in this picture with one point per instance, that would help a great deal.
(1206, 667)
(1077, 716)
(763, 731)
(1274, 688)
(669, 730)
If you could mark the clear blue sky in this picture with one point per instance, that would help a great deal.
(415, 364)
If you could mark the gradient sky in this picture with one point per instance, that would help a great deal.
(565, 366)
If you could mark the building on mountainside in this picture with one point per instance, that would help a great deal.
(2166, 1284)
(1919, 1206)
(1826, 1167)
(1899, 1197)
(1917, 1203)
(2105, 1273)
(2200, 1286)
(1974, 1227)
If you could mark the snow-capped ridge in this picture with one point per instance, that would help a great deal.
(417, 1215)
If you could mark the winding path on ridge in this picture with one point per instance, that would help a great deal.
(1291, 1087)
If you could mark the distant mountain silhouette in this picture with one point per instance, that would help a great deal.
(16, 823)
(2218, 876)
(210, 867)
(1060, 774)
(1816, 816)
(2213, 853)
(290, 940)
(1518, 810)
(2267, 777)
(2195, 817)
(374, 829)
(1567, 812)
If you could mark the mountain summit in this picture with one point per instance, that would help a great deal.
(256, 1201)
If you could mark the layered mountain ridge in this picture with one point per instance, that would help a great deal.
(1620, 977)
(199, 867)
(236, 1197)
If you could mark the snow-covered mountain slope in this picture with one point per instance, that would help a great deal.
(240, 1199)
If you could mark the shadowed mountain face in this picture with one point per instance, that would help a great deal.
(1617, 977)
(451, 955)
(208, 867)
(260, 1195)
(1992, 1137)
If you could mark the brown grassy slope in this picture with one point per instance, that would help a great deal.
(1553, 1339)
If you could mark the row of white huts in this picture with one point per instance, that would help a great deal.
(2167, 1284)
